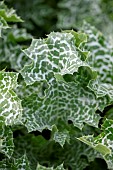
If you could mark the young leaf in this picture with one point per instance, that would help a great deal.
(8, 14)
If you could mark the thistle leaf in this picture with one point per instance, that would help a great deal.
(10, 104)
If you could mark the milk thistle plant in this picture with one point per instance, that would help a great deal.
(56, 98)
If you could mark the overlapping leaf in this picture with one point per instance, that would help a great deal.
(62, 87)
(42, 18)
(56, 61)
(101, 53)
(11, 56)
(101, 59)
(22, 163)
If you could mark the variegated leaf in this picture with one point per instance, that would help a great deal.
(55, 55)
(103, 143)
(101, 59)
(6, 139)
(61, 101)
(101, 53)
(10, 104)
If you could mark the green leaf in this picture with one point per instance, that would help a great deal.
(79, 37)
(103, 142)
(10, 104)
(42, 10)
(8, 14)
(33, 146)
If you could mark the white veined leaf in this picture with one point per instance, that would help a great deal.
(10, 104)
(6, 139)
(103, 143)
(55, 55)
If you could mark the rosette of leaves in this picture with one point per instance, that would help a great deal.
(61, 91)
(57, 70)
(62, 65)
(54, 62)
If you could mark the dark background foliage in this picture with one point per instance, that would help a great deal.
(43, 16)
